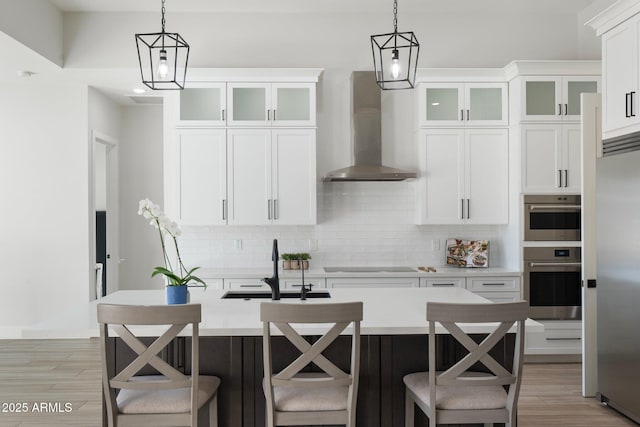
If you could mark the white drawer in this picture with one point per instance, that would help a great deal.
(372, 282)
(493, 284)
(214, 283)
(245, 284)
(295, 284)
(559, 337)
(443, 282)
(500, 296)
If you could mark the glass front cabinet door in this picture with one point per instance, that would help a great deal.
(204, 105)
(463, 104)
(271, 104)
(555, 98)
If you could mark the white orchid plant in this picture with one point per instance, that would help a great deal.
(168, 229)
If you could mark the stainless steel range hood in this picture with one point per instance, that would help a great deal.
(367, 136)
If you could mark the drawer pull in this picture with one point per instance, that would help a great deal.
(251, 286)
(564, 339)
(493, 284)
(311, 285)
(443, 284)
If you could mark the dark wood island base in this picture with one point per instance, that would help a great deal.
(385, 360)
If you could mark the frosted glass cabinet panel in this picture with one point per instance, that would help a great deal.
(463, 104)
(202, 106)
(486, 103)
(542, 98)
(248, 103)
(555, 98)
(443, 104)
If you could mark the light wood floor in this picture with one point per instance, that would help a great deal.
(57, 372)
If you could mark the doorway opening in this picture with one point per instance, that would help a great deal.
(104, 215)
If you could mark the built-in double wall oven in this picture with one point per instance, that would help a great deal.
(552, 273)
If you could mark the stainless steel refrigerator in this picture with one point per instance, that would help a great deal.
(618, 281)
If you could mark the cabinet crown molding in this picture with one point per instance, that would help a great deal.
(271, 75)
(551, 67)
(614, 15)
(460, 75)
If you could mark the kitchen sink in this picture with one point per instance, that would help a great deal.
(267, 295)
(369, 269)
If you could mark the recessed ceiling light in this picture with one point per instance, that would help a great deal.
(138, 90)
(25, 73)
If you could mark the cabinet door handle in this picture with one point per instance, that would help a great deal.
(559, 178)
(442, 284)
(224, 209)
(251, 286)
(222, 114)
(563, 339)
(468, 209)
(461, 114)
(493, 284)
(468, 116)
(275, 209)
(631, 96)
(566, 109)
(566, 177)
(626, 104)
(559, 109)
(269, 209)
(461, 208)
(274, 114)
(268, 115)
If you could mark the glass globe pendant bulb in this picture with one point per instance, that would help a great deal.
(395, 64)
(163, 67)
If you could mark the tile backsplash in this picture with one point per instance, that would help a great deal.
(359, 224)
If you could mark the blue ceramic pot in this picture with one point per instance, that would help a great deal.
(177, 294)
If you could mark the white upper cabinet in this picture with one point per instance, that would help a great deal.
(202, 104)
(272, 176)
(293, 176)
(462, 104)
(202, 172)
(271, 104)
(551, 159)
(620, 74)
(464, 176)
(555, 98)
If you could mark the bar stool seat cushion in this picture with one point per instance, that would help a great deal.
(172, 401)
(458, 397)
(292, 398)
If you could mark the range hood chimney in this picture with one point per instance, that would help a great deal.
(366, 132)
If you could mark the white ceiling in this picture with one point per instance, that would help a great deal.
(310, 6)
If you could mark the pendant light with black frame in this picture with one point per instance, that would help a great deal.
(395, 57)
(163, 58)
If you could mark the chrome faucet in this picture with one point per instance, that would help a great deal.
(274, 281)
(303, 289)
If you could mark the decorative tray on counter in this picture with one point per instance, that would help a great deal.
(467, 253)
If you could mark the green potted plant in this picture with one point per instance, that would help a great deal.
(295, 261)
(180, 277)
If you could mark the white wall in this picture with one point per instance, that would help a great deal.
(140, 177)
(36, 24)
(44, 198)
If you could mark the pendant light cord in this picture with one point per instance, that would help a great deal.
(163, 10)
(395, 15)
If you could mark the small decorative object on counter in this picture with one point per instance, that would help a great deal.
(179, 278)
(295, 261)
(468, 253)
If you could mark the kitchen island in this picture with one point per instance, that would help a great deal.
(394, 343)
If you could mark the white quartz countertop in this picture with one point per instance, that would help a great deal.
(442, 271)
(386, 312)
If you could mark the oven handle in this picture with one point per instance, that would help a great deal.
(563, 207)
(555, 264)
